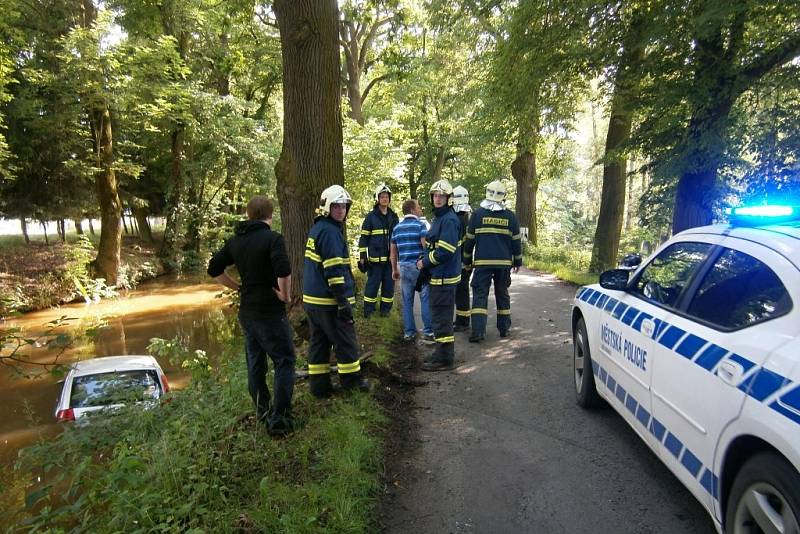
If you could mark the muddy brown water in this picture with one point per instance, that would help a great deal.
(164, 308)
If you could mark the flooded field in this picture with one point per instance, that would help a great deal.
(164, 308)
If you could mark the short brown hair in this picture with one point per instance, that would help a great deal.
(259, 208)
(409, 205)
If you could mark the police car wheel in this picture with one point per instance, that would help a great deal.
(585, 390)
(765, 497)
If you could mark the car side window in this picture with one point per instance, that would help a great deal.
(664, 278)
(739, 291)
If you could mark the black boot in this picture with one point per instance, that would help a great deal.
(437, 365)
(320, 385)
(476, 338)
(354, 382)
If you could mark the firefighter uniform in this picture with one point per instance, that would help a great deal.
(463, 210)
(373, 245)
(443, 260)
(493, 246)
(328, 296)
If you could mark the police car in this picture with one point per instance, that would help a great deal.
(699, 351)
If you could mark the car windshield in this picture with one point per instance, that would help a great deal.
(114, 388)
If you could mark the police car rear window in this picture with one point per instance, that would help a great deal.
(739, 291)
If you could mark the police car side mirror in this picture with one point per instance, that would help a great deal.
(615, 279)
(631, 261)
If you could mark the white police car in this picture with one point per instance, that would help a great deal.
(699, 351)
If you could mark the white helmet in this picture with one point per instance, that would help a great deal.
(461, 198)
(495, 191)
(382, 188)
(442, 187)
(335, 194)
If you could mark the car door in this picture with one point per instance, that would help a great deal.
(709, 354)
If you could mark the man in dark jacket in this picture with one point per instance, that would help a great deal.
(443, 261)
(373, 246)
(328, 297)
(463, 210)
(266, 284)
(493, 247)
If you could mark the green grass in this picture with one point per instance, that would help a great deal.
(201, 463)
(570, 265)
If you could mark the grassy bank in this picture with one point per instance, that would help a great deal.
(201, 462)
(570, 265)
(39, 275)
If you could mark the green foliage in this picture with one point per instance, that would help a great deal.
(200, 462)
(569, 264)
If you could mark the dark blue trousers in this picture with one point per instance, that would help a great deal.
(442, 301)
(271, 337)
(462, 299)
(481, 280)
(379, 275)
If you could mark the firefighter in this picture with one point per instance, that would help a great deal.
(373, 246)
(328, 296)
(493, 247)
(443, 261)
(463, 210)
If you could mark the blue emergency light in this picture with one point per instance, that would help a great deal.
(760, 215)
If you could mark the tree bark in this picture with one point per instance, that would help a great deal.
(106, 264)
(311, 156)
(145, 232)
(91, 226)
(78, 226)
(612, 200)
(24, 224)
(61, 229)
(44, 228)
(523, 170)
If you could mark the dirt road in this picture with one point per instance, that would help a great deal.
(501, 446)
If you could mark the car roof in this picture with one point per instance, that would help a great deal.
(110, 364)
(783, 238)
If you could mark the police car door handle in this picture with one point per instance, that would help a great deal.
(730, 373)
(648, 327)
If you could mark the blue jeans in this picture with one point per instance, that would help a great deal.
(408, 279)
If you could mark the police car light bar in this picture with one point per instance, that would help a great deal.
(768, 214)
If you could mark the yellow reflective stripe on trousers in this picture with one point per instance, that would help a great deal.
(376, 260)
(370, 299)
(336, 280)
(480, 310)
(330, 262)
(462, 313)
(345, 368)
(445, 281)
(313, 256)
(319, 368)
(498, 263)
(446, 339)
(492, 231)
(503, 312)
(308, 299)
(388, 300)
(383, 231)
(445, 245)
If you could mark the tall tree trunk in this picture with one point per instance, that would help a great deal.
(145, 232)
(523, 170)
(125, 225)
(24, 224)
(438, 164)
(106, 264)
(61, 228)
(623, 103)
(311, 157)
(44, 228)
(169, 246)
(91, 226)
(78, 226)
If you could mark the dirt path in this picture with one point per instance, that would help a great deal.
(500, 445)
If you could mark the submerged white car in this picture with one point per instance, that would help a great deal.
(699, 351)
(108, 383)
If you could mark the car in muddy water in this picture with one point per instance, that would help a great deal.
(107, 383)
(698, 350)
